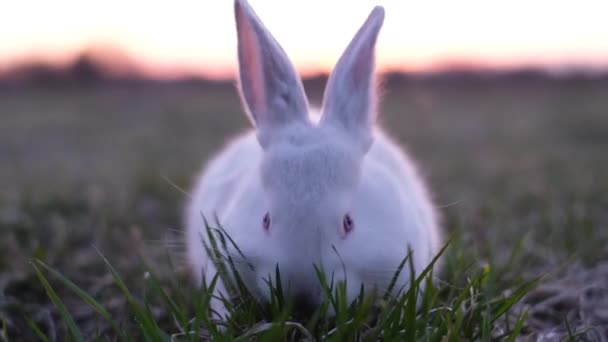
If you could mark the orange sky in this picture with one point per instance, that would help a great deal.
(168, 38)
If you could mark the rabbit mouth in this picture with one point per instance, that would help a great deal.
(305, 303)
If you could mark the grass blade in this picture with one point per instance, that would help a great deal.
(518, 327)
(36, 330)
(65, 315)
(143, 316)
(84, 296)
(516, 297)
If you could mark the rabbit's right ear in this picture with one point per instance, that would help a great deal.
(271, 89)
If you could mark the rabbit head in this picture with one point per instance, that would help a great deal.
(309, 170)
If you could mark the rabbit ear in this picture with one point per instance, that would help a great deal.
(350, 94)
(271, 89)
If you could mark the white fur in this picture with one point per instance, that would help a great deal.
(308, 175)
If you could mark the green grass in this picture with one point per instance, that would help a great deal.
(518, 171)
(475, 310)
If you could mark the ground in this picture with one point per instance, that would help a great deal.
(518, 169)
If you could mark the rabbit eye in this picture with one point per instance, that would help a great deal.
(348, 224)
(266, 221)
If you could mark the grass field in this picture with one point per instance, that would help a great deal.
(519, 171)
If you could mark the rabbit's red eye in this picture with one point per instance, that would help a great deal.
(348, 224)
(266, 222)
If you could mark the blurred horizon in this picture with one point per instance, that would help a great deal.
(102, 65)
(197, 39)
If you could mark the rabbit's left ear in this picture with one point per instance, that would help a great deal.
(271, 89)
(350, 96)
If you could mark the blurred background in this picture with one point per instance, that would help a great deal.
(99, 93)
(108, 109)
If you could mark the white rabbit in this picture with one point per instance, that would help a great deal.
(295, 193)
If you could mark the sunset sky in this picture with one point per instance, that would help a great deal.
(170, 38)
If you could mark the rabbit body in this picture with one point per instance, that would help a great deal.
(299, 192)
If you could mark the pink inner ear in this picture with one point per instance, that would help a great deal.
(252, 83)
